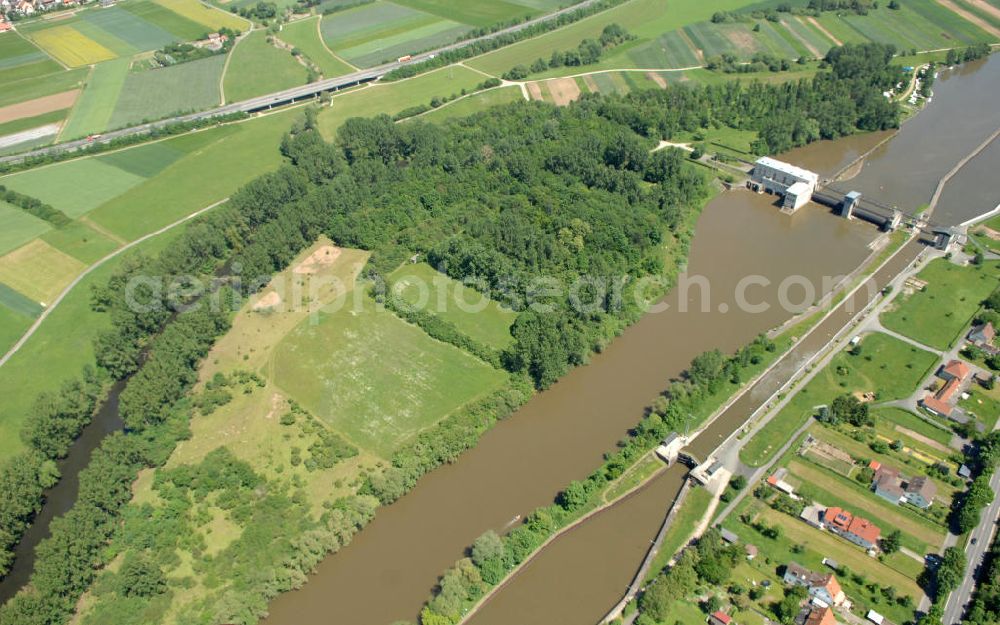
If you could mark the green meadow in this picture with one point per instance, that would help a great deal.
(167, 91)
(304, 35)
(886, 366)
(18, 227)
(471, 312)
(257, 68)
(92, 113)
(375, 378)
(937, 314)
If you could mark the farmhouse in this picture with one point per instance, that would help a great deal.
(982, 336)
(955, 374)
(858, 530)
(822, 586)
(794, 184)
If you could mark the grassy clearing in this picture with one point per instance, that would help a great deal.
(159, 93)
(376, 379)
(80, 241)
(937, 314)
(18, 227)
(304, 35)
(92, 113)
(980, 234)
(427, 289)
(38, 270)
(886, 366)
(71, 47)
(207, 175)
(910, 421)
(257, 67)
(476, 13)
(74, 187)
(831, 489)
(390, 98)
(985, 405)
(474, 103)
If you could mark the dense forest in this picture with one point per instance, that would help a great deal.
(507, 196)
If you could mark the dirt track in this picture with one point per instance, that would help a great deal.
(38, 106)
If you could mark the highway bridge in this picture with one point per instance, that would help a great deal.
(287, 96)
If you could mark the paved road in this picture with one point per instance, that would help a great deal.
(954, 608)
(288, 96)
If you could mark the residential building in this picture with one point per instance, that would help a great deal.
(822, 586)
(920, 492)
(821, 616)
(813, 515)
(954, 373)
(982, 335)
(720, 618)
(890, 485)
(858, 530)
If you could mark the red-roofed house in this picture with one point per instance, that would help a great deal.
(720, 618)
(821, 616)
(5, 26)
(858, 530)
(955, 369)
(955, 373)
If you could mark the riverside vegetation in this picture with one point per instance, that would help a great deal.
(525, 190)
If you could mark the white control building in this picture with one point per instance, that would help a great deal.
(794, 184)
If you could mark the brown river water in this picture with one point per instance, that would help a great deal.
(389, 569)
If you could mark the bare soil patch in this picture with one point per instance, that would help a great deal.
(812, 49)
(815, 22)
(741, 39)
(930, 442)
(534, 90)
(563, 90)
(38, 106)
(986, 7)
(269, 300)
(660, 81)
(322, 257)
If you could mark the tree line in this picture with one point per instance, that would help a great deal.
(588, 52)
(34, 207)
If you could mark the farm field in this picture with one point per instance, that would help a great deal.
(159, 93)
(476, 13)
(936, 315)
(257, 67)
(81, 241)
(27, 123)
(304, 35)
(92, 113)
(32, 88)
(473, 103)
(485, 321)
(887, 366)
(375, 378)
(373, 33)
(38, 271)
(391, 98)
(211, 19)
(18, 227)
(20, 60)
